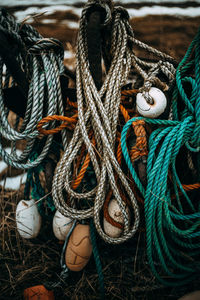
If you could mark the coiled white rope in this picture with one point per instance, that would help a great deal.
(98, 111)
(43, 66)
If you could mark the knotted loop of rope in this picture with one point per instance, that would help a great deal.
(122, 12)
(45, 121)
(104, 7)
(98, 111)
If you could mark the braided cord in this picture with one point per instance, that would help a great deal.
(41, 60)
(171, 224)
(99, 111)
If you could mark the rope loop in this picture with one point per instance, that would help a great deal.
(171, 215)
(48, 119)
(98, 5)
(122, 12)
(39, 75)
(46, 45)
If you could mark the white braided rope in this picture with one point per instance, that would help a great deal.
(43, 67)
(99, 111)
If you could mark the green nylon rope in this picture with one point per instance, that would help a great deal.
(97, 259)
(172, 226)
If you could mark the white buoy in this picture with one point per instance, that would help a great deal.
(155, 109)
(28, 219)
(116, 214)
(61, 226)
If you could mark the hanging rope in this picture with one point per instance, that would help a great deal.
(99, 111)
(35, 187)
(172, 222)
(41, 62)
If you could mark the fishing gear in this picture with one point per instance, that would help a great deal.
(97, 127)
(171, 205)
(34, 65)
(128, 127)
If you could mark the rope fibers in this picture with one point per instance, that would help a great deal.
(172, 223)
(41, 60)
(98, 113)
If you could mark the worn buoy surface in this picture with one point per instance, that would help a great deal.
(116, 214)
(192, 296)
(151, 110)
(79, 248)
(38, 292)
(61, 225)
(28, 219)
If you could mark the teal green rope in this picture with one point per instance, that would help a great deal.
(171, 233)
(97, 259)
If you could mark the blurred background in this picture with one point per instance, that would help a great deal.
(168, 25)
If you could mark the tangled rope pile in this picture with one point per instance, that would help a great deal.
(40, 60)
(91, 171)
(172, 217)
(96, 129)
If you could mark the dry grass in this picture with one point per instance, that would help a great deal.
(25, 263)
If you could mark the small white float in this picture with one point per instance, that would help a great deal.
(116, 214)
(61, 226)
(155, 109)
(28, 219)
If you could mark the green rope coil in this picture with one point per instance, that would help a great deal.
(172, 225)
(97, 259)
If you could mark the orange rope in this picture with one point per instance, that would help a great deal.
(71, 103)
(190, 187)
(140, 148)
(83, 168)
(128, 93)
(46, 120)
(69, 121)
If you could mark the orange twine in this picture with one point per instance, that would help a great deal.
(71, 121)
(66, 121)
(190, 187)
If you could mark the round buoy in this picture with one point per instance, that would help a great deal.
(79, 248)
(61, 226)
(38, 292)
(28, 219)
(155, 109)
(116, 214)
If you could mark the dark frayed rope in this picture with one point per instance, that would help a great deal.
(97, 260)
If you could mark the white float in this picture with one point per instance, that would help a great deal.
(116, 214)
(151, 110)
(61, 225)
(28, 219)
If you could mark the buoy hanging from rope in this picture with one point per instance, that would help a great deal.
(154, 109)
(28, 219)
(79, 248)
(171, 214)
